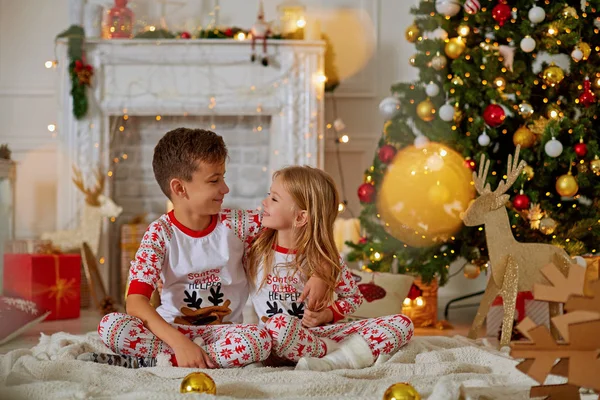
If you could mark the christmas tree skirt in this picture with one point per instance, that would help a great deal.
(438, 367)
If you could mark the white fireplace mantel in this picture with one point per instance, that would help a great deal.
(190, 77)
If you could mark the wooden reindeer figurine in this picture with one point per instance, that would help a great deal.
(515, 266)
(97, 206)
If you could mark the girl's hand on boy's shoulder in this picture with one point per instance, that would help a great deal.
(317, 318)
(315, 294)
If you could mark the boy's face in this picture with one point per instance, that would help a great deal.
(278, 208)
(205, 192)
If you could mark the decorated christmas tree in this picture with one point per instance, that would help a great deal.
(493, 74)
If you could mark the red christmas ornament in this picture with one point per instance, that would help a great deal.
(581, 149)
(366, 193)
(521, 202)
(470, 164)
(501, 13)
(587, 98)
(414, 292)
(362, 240)
(386, 153)
(229, 32)
(494, 115)
(185, 35)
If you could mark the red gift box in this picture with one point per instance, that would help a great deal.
(51, 281)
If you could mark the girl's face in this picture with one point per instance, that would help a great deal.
(279, 209)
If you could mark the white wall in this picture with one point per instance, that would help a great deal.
(28, 102)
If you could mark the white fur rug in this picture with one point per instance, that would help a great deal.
(438, 367)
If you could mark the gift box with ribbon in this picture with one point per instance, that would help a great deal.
(52, 281)
(526, 306)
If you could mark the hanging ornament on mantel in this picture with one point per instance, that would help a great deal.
(448, 8)
(553, 148)
(501, 12)
(536, 15)
(587, 98)
(472, 7)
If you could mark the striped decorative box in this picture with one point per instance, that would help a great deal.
(538, 311)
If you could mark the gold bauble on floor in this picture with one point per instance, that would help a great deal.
(198, 382)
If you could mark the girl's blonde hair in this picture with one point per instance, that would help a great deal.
(313, 191)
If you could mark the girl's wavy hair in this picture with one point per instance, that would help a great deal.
(314, 191)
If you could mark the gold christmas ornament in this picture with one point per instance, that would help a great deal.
(412, 33)
(528, 171)
(436, 188)
(457, 81)
(553, 75)
(524, 137)
(426, 110)
(585, 49)
(471, 271)
(525, 110)
(439, 62)
(566, 185)
(548, 226)
(198, 382)
(569, 12)
(595, 165)
(500, 83)
(455, 47)
(401, 391)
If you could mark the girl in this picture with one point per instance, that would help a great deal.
(296, 242)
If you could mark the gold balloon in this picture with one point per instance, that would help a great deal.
(566, 185)
(198, 382)
(426, 110)
(595, 165)
(528, 171)
(585, 49)
(401, 391)
(471, 271)
(524, 137)
(553, 75)
(455, 47)
(412, 33)
(439, 62)
(423, 194)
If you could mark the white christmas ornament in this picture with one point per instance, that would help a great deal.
(432, 89)
(472, 6)
(537, 15)
(448, 8)
(528, 44)
(446, 112)
(553, 148)
(389, 107)
(483, 139)
(577, 55)
(421, 141)
(439, 33)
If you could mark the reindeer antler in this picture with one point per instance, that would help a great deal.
(91, 195)
(513, 170)
(479, 178)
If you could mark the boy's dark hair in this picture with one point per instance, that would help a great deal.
(178, 153)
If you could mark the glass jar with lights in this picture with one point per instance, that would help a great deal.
(7, 203)
(292, 18)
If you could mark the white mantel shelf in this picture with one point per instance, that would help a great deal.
(198, 77)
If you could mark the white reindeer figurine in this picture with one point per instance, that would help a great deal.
(515, 266)
(97, 206)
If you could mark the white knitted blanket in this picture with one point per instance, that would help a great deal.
(438, 367)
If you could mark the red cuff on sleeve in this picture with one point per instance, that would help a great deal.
(336, 315)
(138, 287)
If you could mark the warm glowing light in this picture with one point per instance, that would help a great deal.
(301, 23)
(240, 36)
(51, 127)
(344, 139)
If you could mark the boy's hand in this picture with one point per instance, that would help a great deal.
(317, 318)
(316, 292)
(190, 355)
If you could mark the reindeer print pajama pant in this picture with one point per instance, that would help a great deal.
(227, 345)
(292, 341)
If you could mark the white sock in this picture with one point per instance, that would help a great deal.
(331, 344)
(353, 353)
(199, 341)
